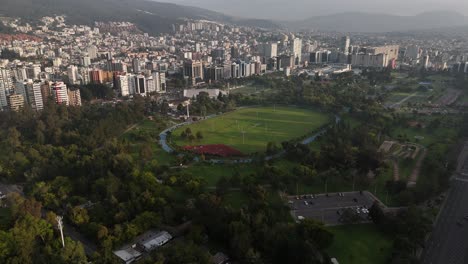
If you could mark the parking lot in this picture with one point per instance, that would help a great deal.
(328, 208)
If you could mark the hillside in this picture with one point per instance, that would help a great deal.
(149, 16)
(365, 22)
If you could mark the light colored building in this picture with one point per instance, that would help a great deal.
(345, 43)
(193, 70)
(92, 52)
(296, 50)
(145, 243)
(34, 95)
(72, 72)
(6, 87)
(212, 93)
(15, 102)
(268, 50)
(60, 92)
(74, 97)
(376, 56)
(122, 85)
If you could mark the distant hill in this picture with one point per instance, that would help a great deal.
(366, 22)
(149, 16)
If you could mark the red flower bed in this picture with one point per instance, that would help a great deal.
(216, 150)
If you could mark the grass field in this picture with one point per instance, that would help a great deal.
(360, 244)
(211, 173)
(249, 130)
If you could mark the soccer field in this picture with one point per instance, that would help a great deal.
(250, 129)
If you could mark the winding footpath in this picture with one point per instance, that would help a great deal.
(166, 147)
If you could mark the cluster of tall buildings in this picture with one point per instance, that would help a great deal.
(15, 93)
(129, 84)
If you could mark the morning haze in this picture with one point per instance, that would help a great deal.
(300, 9)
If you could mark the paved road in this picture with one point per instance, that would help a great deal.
(398, 104)
(448, 243)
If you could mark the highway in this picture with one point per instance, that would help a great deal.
(448, 243)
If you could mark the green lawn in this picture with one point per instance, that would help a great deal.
(430, 136)
(360, 244)
(250, 129)
(213, 172)
(250, 89)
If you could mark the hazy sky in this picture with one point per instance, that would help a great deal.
(297, 9)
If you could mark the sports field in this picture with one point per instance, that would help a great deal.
(249, 130)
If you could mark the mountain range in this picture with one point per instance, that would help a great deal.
(366, 22)
(149, 16)
(156, 17)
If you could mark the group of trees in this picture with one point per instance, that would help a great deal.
(187, 134)
(31, 239)
(95, 91)
(259, 233)
(409, 227)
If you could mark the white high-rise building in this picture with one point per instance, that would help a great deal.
(20, 73)
(60, 92)
(123, 85)
(33, 71)
(86, 61)
(296, 50)
(150, 84)
(345, 43)
(425, 62)
(157, 81)
(132, 84)
(6, 87)
(269, 50)
(92, 52)
(34, 95)
(72, 72)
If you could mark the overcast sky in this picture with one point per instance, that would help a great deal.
(298, 9)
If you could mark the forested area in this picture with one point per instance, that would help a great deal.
(75, 162)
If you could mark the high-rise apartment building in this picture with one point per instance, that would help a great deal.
(345, 43)
(296, 50)
(6, 87)
(268, 50)
(15, 102)
(193, 70)
(72, 72)
(74, 97)
(60, 92)
(122, 85)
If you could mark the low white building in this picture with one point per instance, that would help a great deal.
(143, 244)
(212, 93)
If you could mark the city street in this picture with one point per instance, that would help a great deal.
(448, 243)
